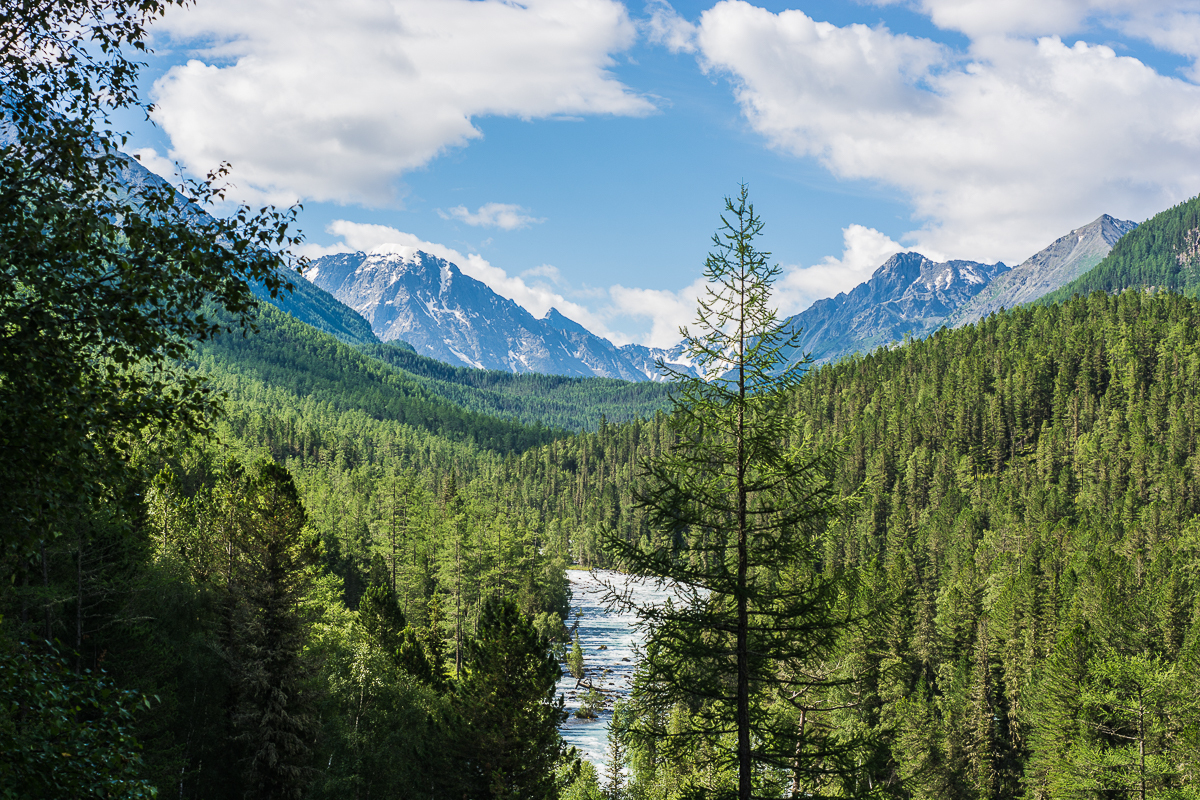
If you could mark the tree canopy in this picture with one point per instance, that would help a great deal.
(104, 268)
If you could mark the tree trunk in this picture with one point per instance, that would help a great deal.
(743, 617)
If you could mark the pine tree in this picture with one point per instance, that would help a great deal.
(740, 501)
(380, 614)
(575, 660)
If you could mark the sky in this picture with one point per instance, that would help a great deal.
(576, 153)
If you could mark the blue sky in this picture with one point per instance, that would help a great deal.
(575, 152)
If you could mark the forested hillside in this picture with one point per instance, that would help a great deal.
(244, 559)
(1025, 540)
(554, 400)
(290, 357)
(313, 600)
(1026, 525)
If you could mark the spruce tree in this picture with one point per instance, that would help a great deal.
(505, 694)
(380, 614)
(575, 660)
(739, 501)
(272, 714)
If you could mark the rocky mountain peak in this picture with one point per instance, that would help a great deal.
(443, 313)
(555, 319)
(1064, 260)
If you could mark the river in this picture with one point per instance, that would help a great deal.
(610, 668)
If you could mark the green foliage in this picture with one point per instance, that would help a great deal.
(585, 786)
(578, 404)
(742, 499)
(575, 659)
(316, 307)
(383, 734)
(302, 366)
(379, 613)
(271, 576)
(66, 734)
(102, 269)
(1020, 476)
(507, 690)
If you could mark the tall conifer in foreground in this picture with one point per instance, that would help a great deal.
(738, 501)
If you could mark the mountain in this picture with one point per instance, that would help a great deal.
(646, 359)
(320, 309)
(909, 295)
(444, 314)
(1066, 259)
(1161, 253)
(307, 303)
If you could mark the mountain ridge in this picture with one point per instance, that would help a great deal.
(1162, 253)
(1064, 260)
(428, 302)
(908, 295)
(445, 314)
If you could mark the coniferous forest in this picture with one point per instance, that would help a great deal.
(244, 558)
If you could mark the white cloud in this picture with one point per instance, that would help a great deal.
(493, 215)
(1001, 149)
(149, 158)
(334, 101)
(864, 251)
(664, 26)
(981, 18)
(547, 271)
(665, 310)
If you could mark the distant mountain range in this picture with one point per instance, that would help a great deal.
(429, 303)
(913, 296)
(909, 295)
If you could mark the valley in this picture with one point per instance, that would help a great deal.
(363, 527)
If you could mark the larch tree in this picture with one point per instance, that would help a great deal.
(739, 500)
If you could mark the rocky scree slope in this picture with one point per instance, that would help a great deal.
(1063, 261)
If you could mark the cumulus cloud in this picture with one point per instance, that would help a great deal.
(664, 26)
(1001, 149)
(547, 271)
(666, 311)
(493, 215)
(149, 158)
(981, 18)
(334, 101)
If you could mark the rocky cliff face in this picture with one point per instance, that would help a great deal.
(1062, 262)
